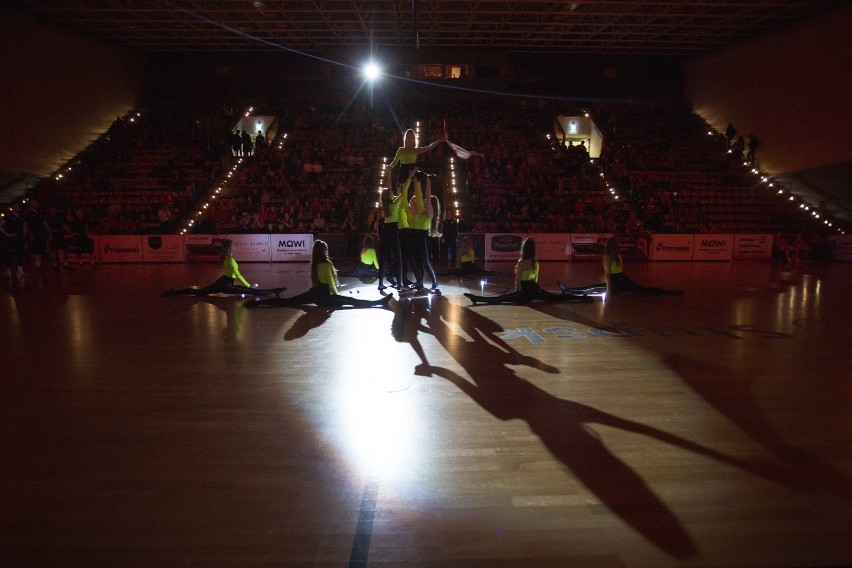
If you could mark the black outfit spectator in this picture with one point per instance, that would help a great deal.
(12, 241)
(730, 132)
(753, 144)
(248, 146)
(450, 230)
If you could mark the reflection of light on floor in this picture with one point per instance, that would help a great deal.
(375, 414)
(12, 308)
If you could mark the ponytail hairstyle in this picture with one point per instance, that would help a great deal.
(435, 227)
(528, 249)
(612, 250)
(385, 199)
(319, 255)
(227, 248)
(467, 245)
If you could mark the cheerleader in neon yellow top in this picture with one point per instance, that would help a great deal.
(369, 265)
(526, 283)
(467, 260)
(616, 280)
(407, 154)
(226, 284)
(323, 290)
(426, 210)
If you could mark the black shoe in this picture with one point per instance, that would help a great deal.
(470, 297)
(382, 287)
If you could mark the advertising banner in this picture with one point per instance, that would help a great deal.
(291, 248)
(119, 248)
(713, 247)
(752, 247)
(635, 248)
(672, 247)
(163, 248)
(251, 248)
(552, 246)
(588, 246)
(201, 248)
(503, 246)
(841, 247)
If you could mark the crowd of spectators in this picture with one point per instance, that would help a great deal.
(658, 171)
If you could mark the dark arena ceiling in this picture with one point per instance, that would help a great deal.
(593, 27)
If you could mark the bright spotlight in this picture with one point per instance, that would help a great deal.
(372, 71)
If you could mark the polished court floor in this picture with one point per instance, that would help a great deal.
(712, 429)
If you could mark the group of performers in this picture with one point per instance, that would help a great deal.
(409, 220)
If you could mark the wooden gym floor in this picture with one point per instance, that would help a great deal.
(712, 429)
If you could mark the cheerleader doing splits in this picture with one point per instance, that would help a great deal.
(323, 290)
(616, 280)
(526, 283)
(369, 265)
(467, 259)
(226, 283)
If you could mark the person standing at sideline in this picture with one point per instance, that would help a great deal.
(450, 230)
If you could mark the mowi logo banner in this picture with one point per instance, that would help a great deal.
(713, 247)
(291, 247)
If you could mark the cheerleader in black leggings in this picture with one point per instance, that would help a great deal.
(426, 210)
(368, 267)
(323, 290)
(526, 283)
(390, 253)
(616, 280)
(467, 266)
(226, 283)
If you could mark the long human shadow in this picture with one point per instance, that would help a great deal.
(731, 395)
(562, 425)
(312, 318)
